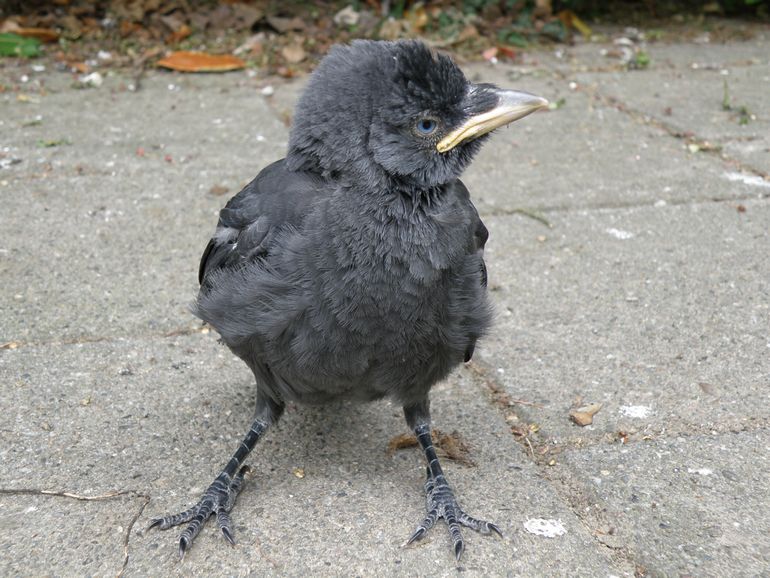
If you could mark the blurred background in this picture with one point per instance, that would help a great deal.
(287, 38)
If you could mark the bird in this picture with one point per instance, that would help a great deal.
(353, 268)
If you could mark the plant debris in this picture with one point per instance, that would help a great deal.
(584, 415)
(449, 446)
(184, 61)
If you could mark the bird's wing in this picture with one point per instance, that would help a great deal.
(277, 198)
(476, 307)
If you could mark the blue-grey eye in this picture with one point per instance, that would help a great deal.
(426, 126)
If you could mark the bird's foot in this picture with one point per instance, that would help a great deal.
(441, 503)
(217, 501)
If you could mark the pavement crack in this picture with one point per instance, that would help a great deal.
(578, 498)
(92, 498)
(127, 538)
(85, 339)
(689, 137)
(60, 494)
(555, 209)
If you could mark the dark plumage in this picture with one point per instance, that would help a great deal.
(353, 267)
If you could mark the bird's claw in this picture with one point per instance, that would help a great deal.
(441, 503)
(218, 500)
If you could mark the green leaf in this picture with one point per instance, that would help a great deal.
(15, 45)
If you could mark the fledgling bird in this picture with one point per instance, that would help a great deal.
(353, 268)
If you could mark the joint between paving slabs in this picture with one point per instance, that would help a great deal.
(84, 340)
(581, 501)
(689, 137)
(98, 498)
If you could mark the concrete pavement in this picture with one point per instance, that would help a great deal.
(630, 230)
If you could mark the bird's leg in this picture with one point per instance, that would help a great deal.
(440, 500)
(220, 496)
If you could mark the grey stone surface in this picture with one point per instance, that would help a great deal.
(689, 98)
(665, 308)
(95, 422)
(59, 536)
(693, 506)
(647, 290)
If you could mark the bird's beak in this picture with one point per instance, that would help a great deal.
(511, 105)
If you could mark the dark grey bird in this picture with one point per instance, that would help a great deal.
(353, 268)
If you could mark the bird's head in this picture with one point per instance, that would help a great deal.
(396, 112)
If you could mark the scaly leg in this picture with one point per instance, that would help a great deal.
(440, 500)
(220, 496)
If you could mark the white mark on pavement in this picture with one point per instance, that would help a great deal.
(635, 411)
(753, 180)
(546, 528)
(701, 471)
(620, 234)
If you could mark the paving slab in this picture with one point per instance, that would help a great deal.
(659, 313)
(690, 506)
(548, 160)
(692, 101)
(110, 212)
(60, 536)
(159, 417)
(643, 294)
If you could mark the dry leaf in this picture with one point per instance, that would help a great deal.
(450, 446)
(179, 34)
(490, 53)
(417, 18)
(293, 53)
(584, 415)
(571, 20)
(42, 34)
(284, 25)
(218, 190)
(201, 62)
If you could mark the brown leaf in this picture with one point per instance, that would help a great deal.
(584, 415)
(294, 53)
(450, 446)
(218, 190)
(417, 17)
(284, 25)
(184, 61)
(490, 53)
(178, 35)
(42, 34)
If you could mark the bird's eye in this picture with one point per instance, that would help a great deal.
(426, 126)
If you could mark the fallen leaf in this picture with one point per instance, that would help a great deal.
(179, 34)
(417, 17)
(450, 446)
(42, 34)
(507, 52)
(391, 29)
(184, 61)
(293, 54)
(218, 190)
(571, 20)
(347, 17)
(584, 415)
(490, 53)
(284, 25)
(15, 45)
